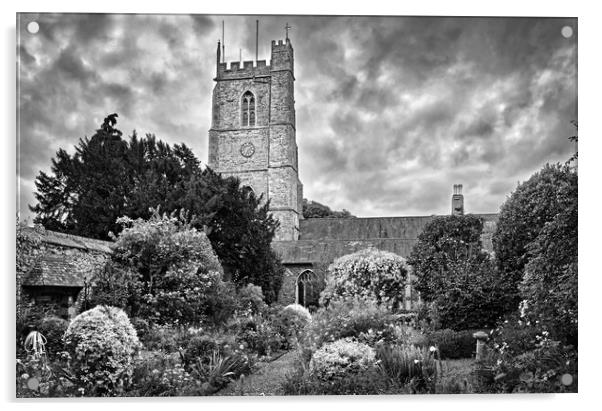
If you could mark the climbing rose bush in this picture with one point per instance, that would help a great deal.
(341, 358)
(102, 343)
(370, 274)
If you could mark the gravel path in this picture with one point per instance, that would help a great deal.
(266, 380)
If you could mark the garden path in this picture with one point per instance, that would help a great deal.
(267, 380)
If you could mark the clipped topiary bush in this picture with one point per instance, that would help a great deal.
(370, 273)
(102, 343)
(341, 359)
(291, 321)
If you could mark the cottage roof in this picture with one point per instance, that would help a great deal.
(55, 270)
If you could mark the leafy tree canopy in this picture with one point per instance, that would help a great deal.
(108, 177)
(313, 209)
(455, 275)
(534, 204)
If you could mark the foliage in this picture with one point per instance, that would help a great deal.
(251, 297)
(53, 328)
(369, 382)
(259, 334)
(354, 317)
(455, 276)
(408, 365)
(340, 359)
(544, 206)
(548, 367)
(368, 273)
(116, 285)
(550, 284)
(108, 177)
(156, 375)
(452, 344)
(38, 377)
(178, 269)
(292, 321)
(102, 343)
(221, 370)
(313, 209)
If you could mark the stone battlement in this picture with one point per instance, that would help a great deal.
(281, 58)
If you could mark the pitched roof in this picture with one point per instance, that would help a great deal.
(55, 270)
(69, 240)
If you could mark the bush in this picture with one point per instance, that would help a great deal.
(250, 297)
(291, 322)
(142, 328)
(259, 335)
(341, 359)
(371, 274)
(117, 286)
(455, 277)
(408, 364)
(549, 367)
(369, 382)
(102, 343)
(354, 317)
(452, 344)
(53, 328)
(535, 203)
(157, 375)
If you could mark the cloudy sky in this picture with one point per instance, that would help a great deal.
(391, 111)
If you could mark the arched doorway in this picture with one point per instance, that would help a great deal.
(308, 289)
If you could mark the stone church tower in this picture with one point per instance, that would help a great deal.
(252, 135)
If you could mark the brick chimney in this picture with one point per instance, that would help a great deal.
(457, 200)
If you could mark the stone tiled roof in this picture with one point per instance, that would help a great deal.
(325, 239)
(70, 241)
(54, 270)
(59, 268)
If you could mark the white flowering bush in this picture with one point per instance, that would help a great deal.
(341, 358)
(371, 274)
(292, 321)
(103, 344)
(297, 310)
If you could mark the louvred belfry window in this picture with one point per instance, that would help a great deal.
(248, 109)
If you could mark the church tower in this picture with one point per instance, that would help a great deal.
(252, 134)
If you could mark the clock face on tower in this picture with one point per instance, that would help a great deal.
(247, 149)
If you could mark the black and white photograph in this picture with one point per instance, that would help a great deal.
(295, 205)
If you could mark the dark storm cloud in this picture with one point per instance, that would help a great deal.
(391, 112)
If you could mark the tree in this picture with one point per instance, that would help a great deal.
(109, 177)
(313, 209)
(532, 206)
(176, 265)
(372, 274)
(85, 194)
(549, 283)
(455, 275)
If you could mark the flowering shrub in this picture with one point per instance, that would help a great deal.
(369, 273)
(157, 375)
(353, 317)
(549, 367)
(341, 359)
(258, 334)
(102, 343)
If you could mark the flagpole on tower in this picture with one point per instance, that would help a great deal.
(223, 43)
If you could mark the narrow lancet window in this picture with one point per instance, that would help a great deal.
(248, 109)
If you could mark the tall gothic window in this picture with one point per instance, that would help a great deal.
(248, 109)
(308, 289)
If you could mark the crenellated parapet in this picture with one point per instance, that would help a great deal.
(248, 70)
